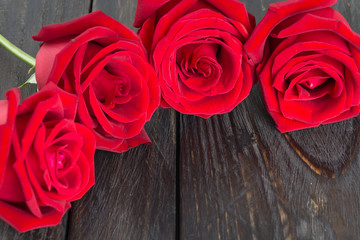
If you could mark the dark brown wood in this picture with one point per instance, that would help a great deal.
(134, 195)
(240, 178)
(122, 10)
(19, 21)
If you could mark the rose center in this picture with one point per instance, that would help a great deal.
(60, 159)
(111, 86)
(120, 91)
(314, 82)
(121, 88)
(57, 158)
(309, 87)
(204, 68)
(198, 60)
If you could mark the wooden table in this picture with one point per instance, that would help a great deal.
(228, 177)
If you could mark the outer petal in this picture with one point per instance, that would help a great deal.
(78, 25)
(154, 93)
(234, 9)
(146, 8)
(23, 221)
(121, 145)
(278, 12)
(7, 128)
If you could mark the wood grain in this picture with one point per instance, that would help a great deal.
(240, 178)
(134, 195)
(122, 10)
(19, 21)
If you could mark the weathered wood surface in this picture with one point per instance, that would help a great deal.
(228, 177)
(242, 179)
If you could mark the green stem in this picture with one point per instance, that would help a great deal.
(31, 80)
(17, 51)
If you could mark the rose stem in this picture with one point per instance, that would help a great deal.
(17, 51)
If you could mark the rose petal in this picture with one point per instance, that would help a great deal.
(79, 25)
(12, 214)
(277, 13)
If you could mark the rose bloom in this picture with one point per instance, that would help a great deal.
(309, 62)
(197, 51)
(46, 159)
(105, 64)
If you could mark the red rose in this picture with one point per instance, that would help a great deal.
(197, 51)
(46, 159)
(309, 64)
(105, 64)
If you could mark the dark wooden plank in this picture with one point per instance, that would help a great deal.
(221, 184)
(122, 10)
(134, 193)
(19, 21)
(240, 178)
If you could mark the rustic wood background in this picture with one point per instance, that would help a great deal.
(229, 177)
